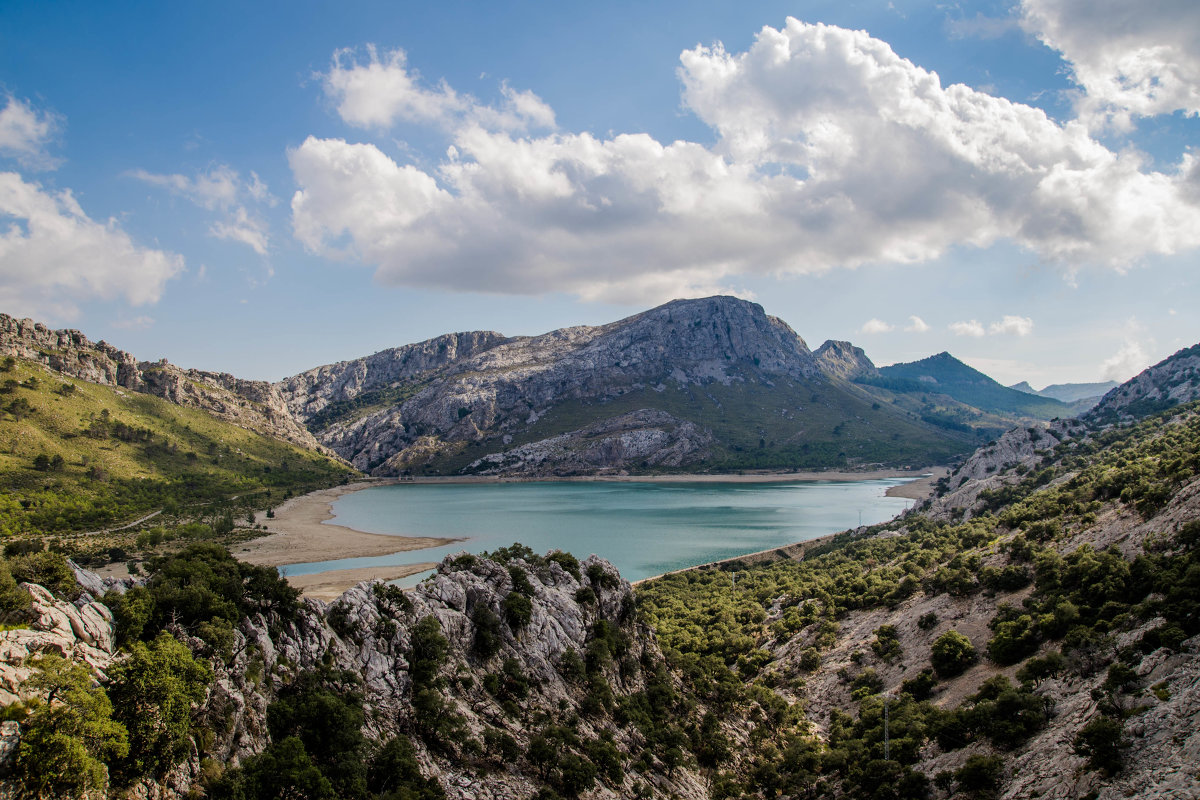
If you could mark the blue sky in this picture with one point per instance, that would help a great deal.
(261, 188)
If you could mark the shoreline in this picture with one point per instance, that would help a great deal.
(299, 531)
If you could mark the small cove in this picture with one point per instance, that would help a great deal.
(643, 528)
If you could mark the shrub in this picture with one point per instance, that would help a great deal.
(952, 653)
(518, 610)
(486, 642)
(1100, 741)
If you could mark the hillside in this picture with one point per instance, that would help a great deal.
(255, 405)
(1033, 632)
(945, 374)
(77, 456)
(694, 384)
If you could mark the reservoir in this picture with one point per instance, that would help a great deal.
(643, 528)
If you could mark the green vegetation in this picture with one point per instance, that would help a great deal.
(93, 457)
(722, 637)
(755, 426)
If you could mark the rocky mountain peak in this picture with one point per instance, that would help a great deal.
(1171, 382)
(843, 360)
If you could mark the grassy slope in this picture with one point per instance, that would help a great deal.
(788, 425)
(967, 385)
(165, 456)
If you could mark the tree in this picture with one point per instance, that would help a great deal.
(1100, 742)
(428, 649)
(68, 737)
(154, 690)
(952, 653)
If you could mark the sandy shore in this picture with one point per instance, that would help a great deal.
(330, 585)
(298, 535)
(921, 488)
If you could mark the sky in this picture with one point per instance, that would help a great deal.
(261, 188)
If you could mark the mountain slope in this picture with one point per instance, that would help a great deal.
(1038, 637)
(588, 398)
(77, 455)
(251, 404)
(945, 374)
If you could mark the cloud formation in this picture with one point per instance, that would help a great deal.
(1012, 325)
(831, 152)
(967, 328)
(223, 190)
(876, 326)
(916, 325)
(25, 133)
(53, 255)
(379, 91)
(1129, 59)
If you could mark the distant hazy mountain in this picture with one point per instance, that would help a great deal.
(691, 384)
(1068, 392)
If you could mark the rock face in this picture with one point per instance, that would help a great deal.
(1171, 382)
(582, 398)
(843, 360)
(82, 632)
(256, 405)
(370, 633)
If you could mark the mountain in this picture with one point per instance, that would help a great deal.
(255, 405)
(1170, 382)
(844, 360)
(944, 374)
(711, 383)
(1080, 397)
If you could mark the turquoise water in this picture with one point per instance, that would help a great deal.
(645, 529)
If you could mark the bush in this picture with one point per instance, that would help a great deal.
(952, 653)
(427, 651)
(568, 562)
(980, 774)
(153, 691)
(1100, 741)
(486, 642)
(518, 610)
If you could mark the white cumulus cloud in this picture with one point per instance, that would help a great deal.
(967, 328)
(916, 325)
(25, 132)
(831, 152)
(53, 255)
(876, 326)
(1129, 59)
(222, 189)
(381, 90)
(1013, 325)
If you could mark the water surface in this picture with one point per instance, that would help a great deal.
(644, 529)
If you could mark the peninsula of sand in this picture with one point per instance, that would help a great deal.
(300, 531)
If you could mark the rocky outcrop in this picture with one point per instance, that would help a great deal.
(82, 632)
(646, 438)
(256, 405)
(844, 361)
(1171, 382)
(369, 632)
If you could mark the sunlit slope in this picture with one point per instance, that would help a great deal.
(76, 455)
